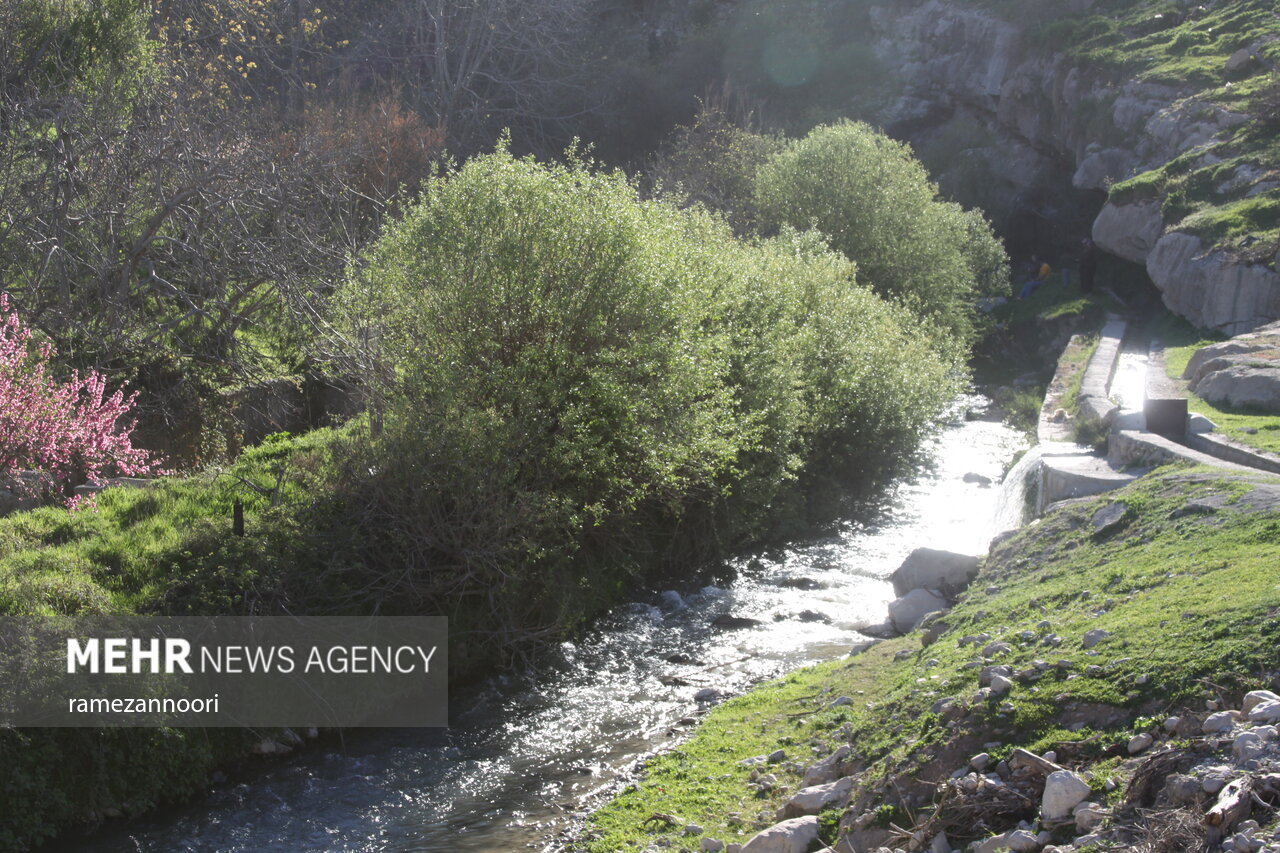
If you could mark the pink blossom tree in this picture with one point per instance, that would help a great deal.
(71, 431)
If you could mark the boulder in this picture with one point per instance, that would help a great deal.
(928, 568)
(814, 799)
(1129, 231)
(1253, 385)
(1266, 711)
(1254, 697)
(907, 612)
(1063, 791)
(1261, 339)
(1240, 61)
(790, 836)
(1212, 289)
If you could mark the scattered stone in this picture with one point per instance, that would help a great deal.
(692, 829)
(1140, 743)
(777, 756)
(1000, 685)
(990, 672)
(1093, 637)
(712, 845)
(1182, 790)
(790, 836)
(1248, 746)
(1109, 518)
(1222, 721)
(812, 800)
(1063, 791)
(1019, 841)
(928, 568)
(994, 649)
(826, 770)
(1239, 61)
(980, 762)
(1266, 711)
(707, 694)
(1089, 816)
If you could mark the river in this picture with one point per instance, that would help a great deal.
(526, 755)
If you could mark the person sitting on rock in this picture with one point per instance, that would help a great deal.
(1040, 274)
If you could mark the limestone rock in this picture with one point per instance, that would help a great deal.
(1254, 697)
(1129, 231)
(906, 613)
(1099, 169)
(1140, 743)
(1092, 638)
(1267, 711)
(929, 568)
(1243, 385)
(1088, 817)
(1063, 791)
(790, 836)
(814, 799)
(1222, 721)
(1019, 841)
(826, 770)
(1211, 289)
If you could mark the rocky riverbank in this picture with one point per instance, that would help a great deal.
(1097, 657)
(1106, 676)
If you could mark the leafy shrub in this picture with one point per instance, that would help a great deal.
(875, 202)
(713, 161)
(580, 385)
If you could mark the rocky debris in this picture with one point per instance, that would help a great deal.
(711, 845)
(826, 770)
(1140, 743)
(1093, 637)
(1109, 518)
(1063, 791)
(811, 800)
(1221, 721)
(907, 612)
(1000, 685)
(1019, 841)
(944, 572)
(789, 836)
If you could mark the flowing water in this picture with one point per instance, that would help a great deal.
(525, 754)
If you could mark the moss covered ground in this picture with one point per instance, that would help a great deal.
(1224, 191)
(1185, 585)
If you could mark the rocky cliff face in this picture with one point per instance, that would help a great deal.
(1055, 123)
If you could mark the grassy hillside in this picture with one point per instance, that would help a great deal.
(1185, 584)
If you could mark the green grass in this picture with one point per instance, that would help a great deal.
(1052, 301)
(1256, 430)
(1156, 585)
(150, 548)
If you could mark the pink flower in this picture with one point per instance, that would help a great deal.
(73, 430)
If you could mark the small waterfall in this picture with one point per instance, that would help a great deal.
(1019, 492)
